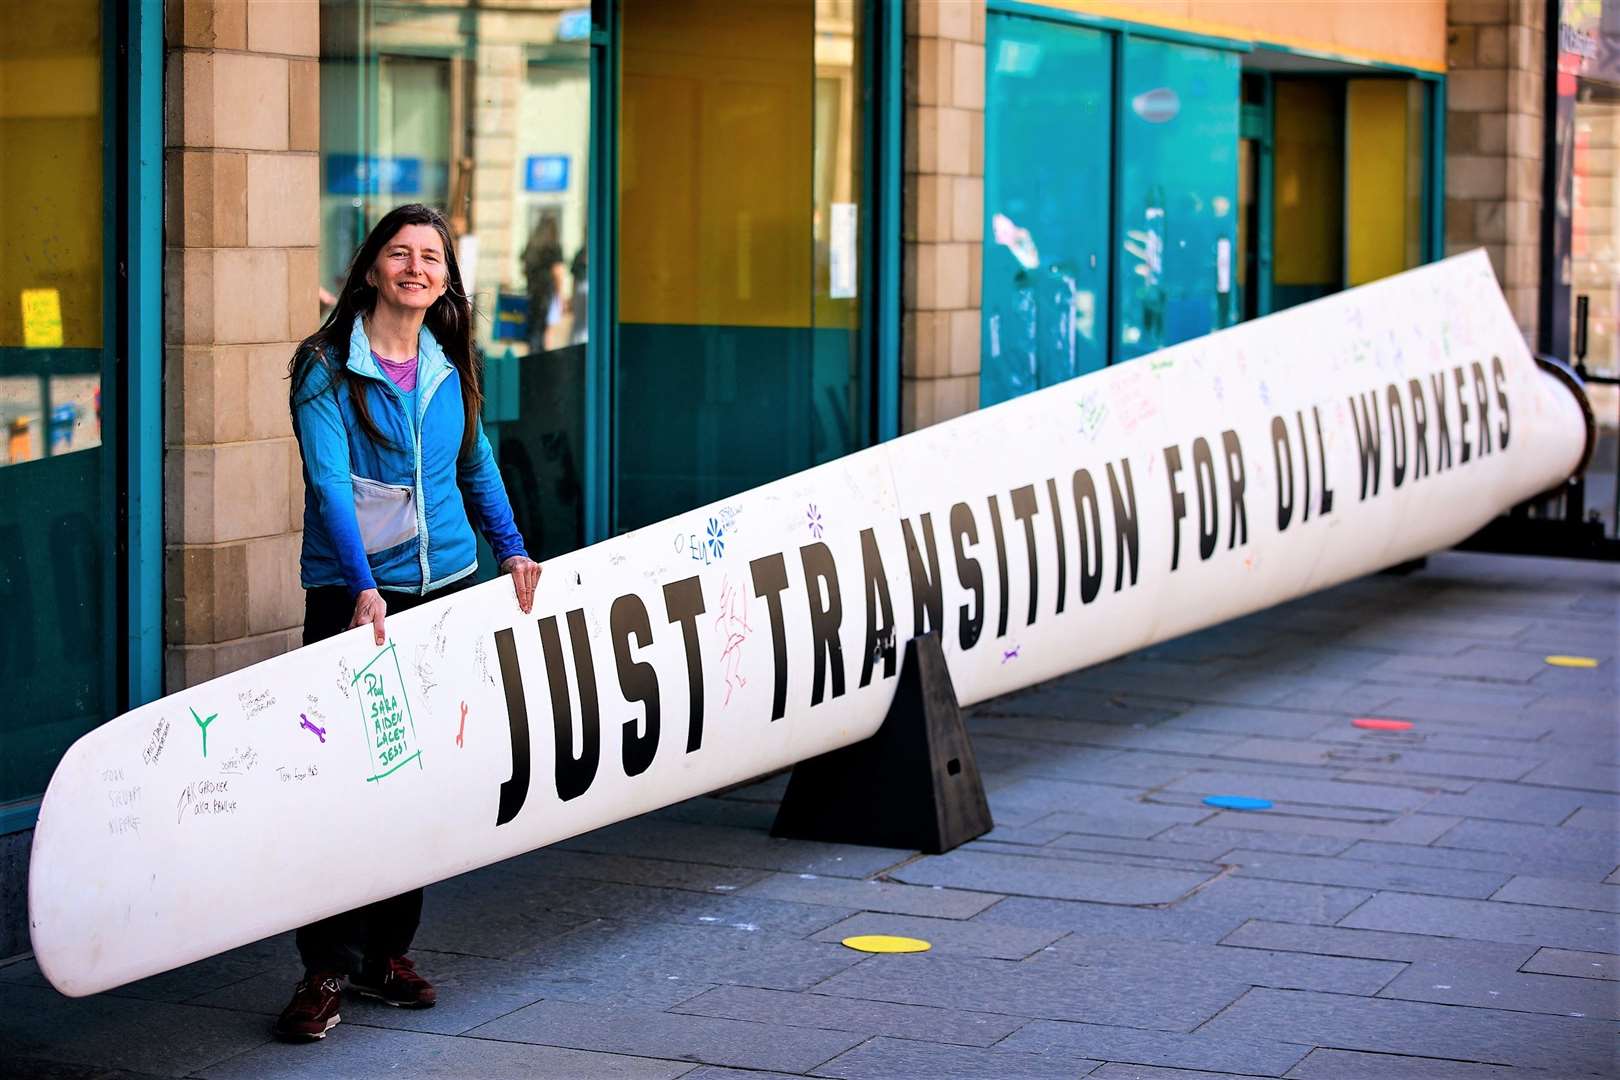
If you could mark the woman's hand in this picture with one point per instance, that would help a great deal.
(525, 577)
(370, 607)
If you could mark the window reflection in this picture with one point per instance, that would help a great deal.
(739, 277)
(482, 111)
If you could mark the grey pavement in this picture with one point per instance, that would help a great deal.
(1437, 904)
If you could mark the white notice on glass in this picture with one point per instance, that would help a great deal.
(1223, 265)
(841, 261)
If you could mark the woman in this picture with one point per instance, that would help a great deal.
(385, 400)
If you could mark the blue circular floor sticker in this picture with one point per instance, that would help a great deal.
(1236, 802)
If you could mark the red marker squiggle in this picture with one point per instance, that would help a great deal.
(319, 732)
(463, 727)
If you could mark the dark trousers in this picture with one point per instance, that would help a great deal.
(366, 937)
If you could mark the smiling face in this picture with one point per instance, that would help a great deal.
(410, 271)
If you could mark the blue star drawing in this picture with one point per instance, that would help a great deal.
(814, 516)
(717, 534)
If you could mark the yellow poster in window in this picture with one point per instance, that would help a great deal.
(42, 319)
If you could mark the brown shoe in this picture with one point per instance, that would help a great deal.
(396, 983)
(313, 1010)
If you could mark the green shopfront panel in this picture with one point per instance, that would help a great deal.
(1045, 284)
(1178, 194)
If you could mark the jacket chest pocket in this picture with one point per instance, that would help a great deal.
(386, 513)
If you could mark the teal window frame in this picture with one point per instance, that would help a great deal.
(131, 357)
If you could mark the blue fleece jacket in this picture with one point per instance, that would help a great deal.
(398, 516)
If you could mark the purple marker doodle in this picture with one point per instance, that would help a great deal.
(814, 518)
(319, 732)
(1010, 654)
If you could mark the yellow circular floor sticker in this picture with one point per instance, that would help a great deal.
(1572, 661)
(884, 943)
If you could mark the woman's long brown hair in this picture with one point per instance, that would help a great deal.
(450, 319)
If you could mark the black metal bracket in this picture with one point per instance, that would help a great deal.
(914, 785)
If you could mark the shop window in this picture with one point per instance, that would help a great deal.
(58, 486)
(1307, 190)
(484, 114)
(1177, 201)
(1046, 240)
(1383, 133)
(1595, 227)
(738, 355)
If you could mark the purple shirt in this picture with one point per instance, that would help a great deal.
(402, 373)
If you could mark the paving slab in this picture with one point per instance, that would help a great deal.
(854, 895)
(1022, 875)
(1488, 920)
(922, 1022)
(1285, 901)
(1163, 924)
(1323, 791)
(681, 841)
(361, 1053)
(1572, 844)
(888, 1059)
(1420, 1029)
(1376, 944)
(1263, 1057)
(1040, 989)
(1402, 829)
(1354, 1065)
(1477, 884)
(949, 937)
(1257, 967)
(738, 909)
(1203, 850)
(122, 1032)
(1578, 965)
(1229, 839)
(1554, 892)
(1571, 869)
(651, 1033)
(1451, 983)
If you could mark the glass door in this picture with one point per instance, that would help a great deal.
(1048, 105)
(59, 492)
(740, 212)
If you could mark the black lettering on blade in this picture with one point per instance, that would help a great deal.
(1442, 423)
(927, 604)
(1464, 450)
(964, 531)
(1321, 461)
(515, 790)
(1420, 430)
(1499, 376)
(1234, 488)
(637, 680)
(1024, 509)
(683, 603)
(1001, 566)
(879, 609)
(1178, 502)
(1086, 508)
(825, 618)
(1057, 538)
(1397, 436)
(574, 774)
(1369, 441)
(1282, 460)
(770, 578)
(1482, 402)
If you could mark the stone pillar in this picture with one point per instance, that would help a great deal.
(242, 232)
(1495, 105)
(943, 214)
